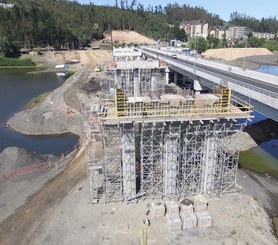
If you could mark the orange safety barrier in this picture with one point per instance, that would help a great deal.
(35, 168)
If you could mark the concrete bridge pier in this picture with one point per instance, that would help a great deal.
(175, 77)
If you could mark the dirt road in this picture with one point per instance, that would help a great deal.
(27, 222)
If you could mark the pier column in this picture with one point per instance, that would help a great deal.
(154, 86)
(128, 160)
(167, 75)
(136, 85)
(171, 160)
(175, 77)
(210, 161)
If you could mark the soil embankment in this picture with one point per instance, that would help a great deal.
(254, 57)
(25, 224)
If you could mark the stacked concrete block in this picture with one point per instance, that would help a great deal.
(204, 219)
(200, 203)
(188, 221)
(172, 208)
(186, 207)
(173, 222)
(200, 206)
(157, 210)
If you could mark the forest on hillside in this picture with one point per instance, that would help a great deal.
(67, 23)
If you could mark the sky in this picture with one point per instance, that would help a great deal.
(254, 8)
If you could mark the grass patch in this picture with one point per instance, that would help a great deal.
(232, 233)
(258, 160)
(260, 228)
(4, 61)
(35, 101)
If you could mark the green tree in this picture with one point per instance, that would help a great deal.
(177, 33)
(97, 31)
(271, 45)
(197, 43)
(8, 48)
(255, 42)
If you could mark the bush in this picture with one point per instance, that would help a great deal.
(4, 61)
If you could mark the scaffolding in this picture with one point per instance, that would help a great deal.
(143, 142)
(93, 145)
(175, 159)
(139, 82)
(112, 157)
(107, 85)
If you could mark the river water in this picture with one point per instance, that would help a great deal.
(18, 86)
(262, 158)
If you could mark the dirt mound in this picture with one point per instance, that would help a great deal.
(128, 37)
(15, 157)
(235, 53)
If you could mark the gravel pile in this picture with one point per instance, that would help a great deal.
(15, 157)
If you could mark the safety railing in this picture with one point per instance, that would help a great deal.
(187, 109)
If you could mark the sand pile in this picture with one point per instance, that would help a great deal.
(129, 37)
(235, 53)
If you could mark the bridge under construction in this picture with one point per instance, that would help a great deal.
(146, 138)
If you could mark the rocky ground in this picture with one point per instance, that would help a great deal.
(62, 216)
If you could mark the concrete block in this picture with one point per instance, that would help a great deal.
(204, 219)
(172, 208)
(200, 203)
(173, 222)
(186, 207)
(157, 210)
(188, 221)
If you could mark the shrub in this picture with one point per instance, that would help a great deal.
(4, 61)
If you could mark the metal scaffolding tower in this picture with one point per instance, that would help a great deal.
(151, 155)
(93, 145)
(139, 82)
(148, 143)
(107, 86)
(176, 159)
(113, 172)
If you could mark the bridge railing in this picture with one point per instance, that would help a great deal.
(226, 78)
(251, 87)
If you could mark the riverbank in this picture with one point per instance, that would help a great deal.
(52, 116)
